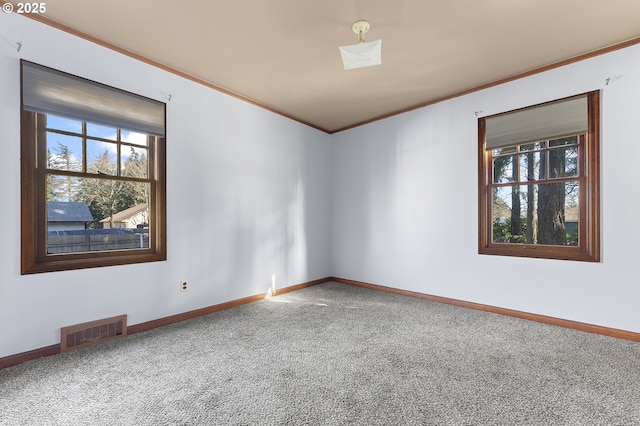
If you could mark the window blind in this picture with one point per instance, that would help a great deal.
(538, 123)
(49, 91)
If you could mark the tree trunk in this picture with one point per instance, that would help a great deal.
(531, 200)
(551, 201)
(515, 227)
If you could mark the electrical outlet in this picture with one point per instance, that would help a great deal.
(184, 285)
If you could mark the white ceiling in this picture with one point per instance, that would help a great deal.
(283, 54)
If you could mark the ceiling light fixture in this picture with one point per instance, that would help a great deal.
(362, 54)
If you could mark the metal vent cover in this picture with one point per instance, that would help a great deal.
(88, 333)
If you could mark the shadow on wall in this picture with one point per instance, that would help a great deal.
(256, 218)
(366, 168)
(393, 197)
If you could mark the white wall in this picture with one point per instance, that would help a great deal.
(248, 198)
(405, 202)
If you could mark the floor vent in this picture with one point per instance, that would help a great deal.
(88, 333)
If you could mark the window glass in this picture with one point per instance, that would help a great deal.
(103, 132)
(134, 137)
(102, 157)
(88, 215)
(95, 214)
(61, 123)
(504, 169)
(64, 152)
(133, 162)
(532, 165)
(563, 162)
(544, 214)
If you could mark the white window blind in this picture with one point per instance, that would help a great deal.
(49, 91)
(538, 123)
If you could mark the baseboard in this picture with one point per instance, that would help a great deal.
(589, 328)
(12, 360)
(16, 359)
(149, 325)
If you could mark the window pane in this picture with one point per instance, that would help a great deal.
(571, 140)
(502, 151)
(509, 207)
(555, 202)
(533, 146)
(536, 214)
(563, 162)
(97, 215)
(62, 188)
(104, 132)
(572, 222)
(532, 166)
(134, 137)
(66, 124)
(133, 162)
(504, 169)
(64, 152)
(102, 157)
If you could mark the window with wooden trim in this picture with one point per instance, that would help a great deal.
(539, 180)
(92, 174)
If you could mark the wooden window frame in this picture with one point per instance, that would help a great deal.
(34, 257)
(588, 248)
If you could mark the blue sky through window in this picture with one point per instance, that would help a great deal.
(66, 124)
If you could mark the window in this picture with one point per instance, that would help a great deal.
(92, 174)
(539, 181)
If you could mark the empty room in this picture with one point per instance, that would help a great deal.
(319, 212)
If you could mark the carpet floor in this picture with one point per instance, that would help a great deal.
(334, 354)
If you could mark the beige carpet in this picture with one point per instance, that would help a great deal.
(334, 354)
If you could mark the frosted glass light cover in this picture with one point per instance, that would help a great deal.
(365, 54)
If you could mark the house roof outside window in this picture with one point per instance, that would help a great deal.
(127, 214)
(63, 211)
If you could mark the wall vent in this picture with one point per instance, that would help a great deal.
(88, 333)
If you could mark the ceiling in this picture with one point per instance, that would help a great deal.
(283, 54)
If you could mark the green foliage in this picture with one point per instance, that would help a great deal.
(502, 233)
